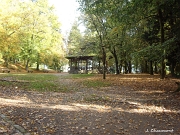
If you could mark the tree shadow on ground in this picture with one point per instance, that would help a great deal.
(57, 117)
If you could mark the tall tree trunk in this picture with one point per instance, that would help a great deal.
(155, 67)
(99, 64)
(120, 66)
(161, 23)
(86, 67)
(151, 67)
(6, 62)
(104, 63)
(129, 67)
(172, 67)
(125, 67)
(145, 67)
(27, 63)
(102, 47)
(37, 66)
(116, 60)
(141, 68)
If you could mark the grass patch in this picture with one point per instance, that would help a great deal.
(5, 84)
(49, 82)
(78, 76)
(95, 83)
(35, 82)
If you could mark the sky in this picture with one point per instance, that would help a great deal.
(67, 13)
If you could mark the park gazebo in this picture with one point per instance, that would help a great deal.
(80, 64)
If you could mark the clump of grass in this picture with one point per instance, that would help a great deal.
(78, 76)
(5, 84)
(95, 83)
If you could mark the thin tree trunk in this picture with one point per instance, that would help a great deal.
(116, 60)
(86, 66)
(151, 67)
(155, 68)
(121, 66)
(161, 23)
(129, 67)
(145, 67)
(37, 66)
(6, 62)
(125, 67)
(27, 63)
(104, 63)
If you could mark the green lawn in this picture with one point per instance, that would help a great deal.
(78, 76)
(37, 82)
(50, 82)
(95, 83)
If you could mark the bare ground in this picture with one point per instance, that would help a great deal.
(131, 105)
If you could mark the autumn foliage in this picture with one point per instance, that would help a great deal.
(30, 33)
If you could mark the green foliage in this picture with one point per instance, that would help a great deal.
(135, 30)
(75, 41)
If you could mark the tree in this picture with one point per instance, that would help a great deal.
(137, 29)
(96, 21)
(75, 40)
(9, 42)
(29, 29)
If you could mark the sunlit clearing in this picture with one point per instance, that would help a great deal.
(12, 101)
(93, 107)
(3, 73)
(19, 74)
(139, 108)
(152, 92)
(148, 109)
(135, 78)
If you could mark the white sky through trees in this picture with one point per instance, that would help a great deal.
(67, 13)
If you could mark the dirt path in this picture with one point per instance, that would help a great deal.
(116, 109)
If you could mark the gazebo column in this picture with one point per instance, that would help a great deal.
(75, 63)
(92, 68)
(86, 66)
(70, 65)
(78, 61)
(76, 66)
(81, 64)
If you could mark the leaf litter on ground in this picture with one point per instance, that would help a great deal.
(129, 104)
